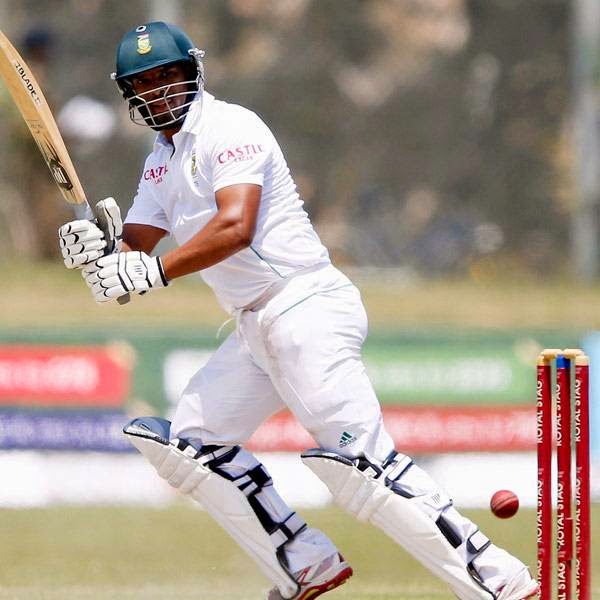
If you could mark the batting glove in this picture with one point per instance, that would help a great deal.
(80, 242)
(118, 274)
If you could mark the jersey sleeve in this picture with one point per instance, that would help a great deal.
(242, 152)
(145, 210)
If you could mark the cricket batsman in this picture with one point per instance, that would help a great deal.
(217, 181)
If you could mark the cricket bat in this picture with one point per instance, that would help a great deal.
(32, 105)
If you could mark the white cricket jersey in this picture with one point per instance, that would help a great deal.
(222, 144)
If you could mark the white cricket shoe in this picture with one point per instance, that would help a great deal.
(318, 579)
(519, 587)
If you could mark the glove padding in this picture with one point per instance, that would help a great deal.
(118, 274)
(108, 216)
(81, 242)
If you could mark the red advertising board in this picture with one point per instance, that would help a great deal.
(423, 430)
(63, 376)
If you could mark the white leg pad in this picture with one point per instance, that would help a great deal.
(403, 519)
(221, 498)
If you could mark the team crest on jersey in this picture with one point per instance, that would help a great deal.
(194, 167)
(143, 43)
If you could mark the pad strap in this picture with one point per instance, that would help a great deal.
(405, 503)
(234, 488)
(252, 483)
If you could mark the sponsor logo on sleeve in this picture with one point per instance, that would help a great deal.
(240, 153)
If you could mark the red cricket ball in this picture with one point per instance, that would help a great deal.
(504, 504)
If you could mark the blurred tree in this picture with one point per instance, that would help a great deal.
(426, 134)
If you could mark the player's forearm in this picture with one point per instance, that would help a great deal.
(219, 239)
(141, 237)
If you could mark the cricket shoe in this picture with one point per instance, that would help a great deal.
(318, 579)
(519, 587)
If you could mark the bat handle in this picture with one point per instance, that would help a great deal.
(84, 211)
(102, 221)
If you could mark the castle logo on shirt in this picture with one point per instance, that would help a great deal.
(156, 174)
(240, 153)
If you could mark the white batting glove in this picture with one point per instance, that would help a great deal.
(80, 242)
(108, 215)
(118, 274)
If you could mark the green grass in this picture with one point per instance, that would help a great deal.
(129, 553)
(46, 294)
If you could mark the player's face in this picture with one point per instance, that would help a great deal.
(164, 90)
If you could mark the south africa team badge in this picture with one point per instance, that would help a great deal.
(143, 44)
(194, 168)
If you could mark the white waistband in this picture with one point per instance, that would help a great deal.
(279, 286)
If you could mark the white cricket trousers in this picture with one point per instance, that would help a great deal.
(300, 349)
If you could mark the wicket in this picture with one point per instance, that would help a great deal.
(567, 433)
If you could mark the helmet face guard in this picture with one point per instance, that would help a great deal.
(150, 46)
(174, 112)
(141, 105)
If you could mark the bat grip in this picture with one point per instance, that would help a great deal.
(84, 211)
(102, 222)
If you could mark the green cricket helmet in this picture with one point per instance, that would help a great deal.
(152, 45)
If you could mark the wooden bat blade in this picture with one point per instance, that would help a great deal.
(32, 105)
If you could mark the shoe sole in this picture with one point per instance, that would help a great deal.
(338, 580)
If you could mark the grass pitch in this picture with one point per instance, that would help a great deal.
(145, 554)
